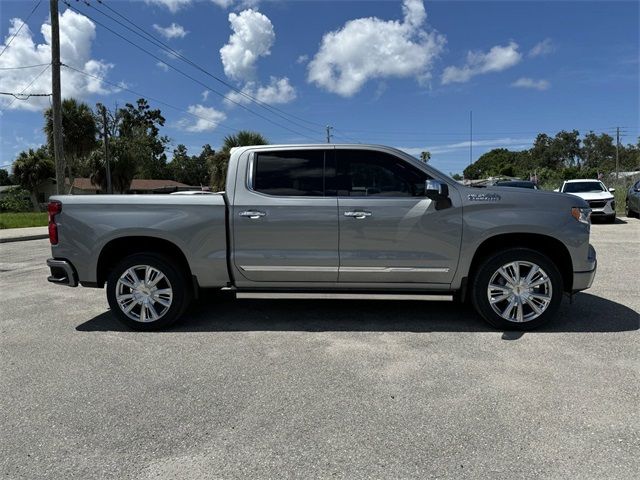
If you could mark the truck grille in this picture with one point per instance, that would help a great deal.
(597, 203)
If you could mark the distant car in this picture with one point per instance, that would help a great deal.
(516, 183)
(597, 195)
(632, 205)
(193, 192)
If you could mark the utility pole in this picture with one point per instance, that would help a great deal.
(329, 128)
(56, 100)
(617, 152)
(105, 137)
(470, 137)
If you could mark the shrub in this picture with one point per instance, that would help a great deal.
(16, 200)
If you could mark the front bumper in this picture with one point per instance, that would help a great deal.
(62, 273)
(584, 280)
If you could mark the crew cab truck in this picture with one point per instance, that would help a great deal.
(327, 219)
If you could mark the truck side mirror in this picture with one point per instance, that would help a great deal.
(612, 190)
(435, 188)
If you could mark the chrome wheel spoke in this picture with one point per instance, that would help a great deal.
(138, 286)
(519, 291)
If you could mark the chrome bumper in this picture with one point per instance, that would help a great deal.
(584, 280)
(62, 273)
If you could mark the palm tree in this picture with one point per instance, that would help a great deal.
(78, 134)
(219, 162)
(31, 168)
(244, 138)
(425, 156)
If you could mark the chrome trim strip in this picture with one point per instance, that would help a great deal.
(343, 296)
(296, 268)
(394, 270)
(291, 268)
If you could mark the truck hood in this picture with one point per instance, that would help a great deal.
(593, 195)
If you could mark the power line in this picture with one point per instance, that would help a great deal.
(159, 43)
(217, 124)
(25, 96)
(19, 29)
(24, 66)
(25, 88)
(188, 75)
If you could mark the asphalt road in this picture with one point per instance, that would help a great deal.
(319, 389)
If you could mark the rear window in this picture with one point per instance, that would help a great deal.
(298, 173)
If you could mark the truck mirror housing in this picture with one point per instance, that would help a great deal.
(435, 188)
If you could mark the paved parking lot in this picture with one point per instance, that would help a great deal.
(319, 389)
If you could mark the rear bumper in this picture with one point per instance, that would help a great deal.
(584, 280)
(62, 273)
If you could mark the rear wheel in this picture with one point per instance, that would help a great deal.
(146, 292)
(518, 289)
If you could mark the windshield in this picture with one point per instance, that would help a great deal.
(583, 187)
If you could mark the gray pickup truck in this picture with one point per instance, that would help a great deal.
(338, 219)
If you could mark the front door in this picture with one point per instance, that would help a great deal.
(390, 232)
(285, 224)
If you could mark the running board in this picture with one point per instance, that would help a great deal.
(343, 296)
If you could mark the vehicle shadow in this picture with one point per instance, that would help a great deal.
(588, 313)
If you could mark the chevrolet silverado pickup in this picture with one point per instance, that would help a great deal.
(339, 219)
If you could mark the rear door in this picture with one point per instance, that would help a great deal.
(285, 223)
(390, 232)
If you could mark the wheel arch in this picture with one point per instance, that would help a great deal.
(117, 249)
(544, 244)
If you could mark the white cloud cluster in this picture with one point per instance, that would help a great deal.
(77, 33)
(525, 82)
(278, 91)
(498, 58)
(172, 31)
(370, 48)
(452, 147)
(175, 5)
(252, 38)
(206, 119)
(545, 47)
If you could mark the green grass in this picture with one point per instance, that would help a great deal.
(22, 220)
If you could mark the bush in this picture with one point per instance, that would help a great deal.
(16, 200)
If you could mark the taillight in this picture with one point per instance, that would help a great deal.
(54, 208)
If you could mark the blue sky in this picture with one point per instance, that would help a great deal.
(378, 71)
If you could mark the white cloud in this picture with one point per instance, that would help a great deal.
(545, 47)
(162, 66)
(525, 82)
(370, 48)
(206, 120)
(172, 5)
(252, 38)
(77, 34)
(495, 60)
(205, 95)
(172, 31)
(302, 59)
(452, 147)
(278, 91)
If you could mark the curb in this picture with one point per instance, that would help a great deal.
(24, 238)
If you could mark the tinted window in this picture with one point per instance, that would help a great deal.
(290, 173)
(365, 173)
(583, 187)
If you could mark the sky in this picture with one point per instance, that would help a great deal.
(403, 73)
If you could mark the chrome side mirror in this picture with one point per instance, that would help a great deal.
(435, 188)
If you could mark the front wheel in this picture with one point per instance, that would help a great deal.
(146, 292)
(517, 289)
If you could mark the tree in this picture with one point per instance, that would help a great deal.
(4, 178)
(598, 151)
(192, 170)
(31, 168)
(218, 164)
(425, 156)
(78, 135)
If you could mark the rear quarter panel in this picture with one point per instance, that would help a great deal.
(195, 224)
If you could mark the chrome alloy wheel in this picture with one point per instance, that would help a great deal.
(519, 291)
(144, 293)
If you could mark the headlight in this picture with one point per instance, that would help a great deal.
(583, 215)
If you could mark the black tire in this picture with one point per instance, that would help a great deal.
(630, 213)
(175, 280)
(489, 267)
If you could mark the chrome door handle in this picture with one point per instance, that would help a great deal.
(359, 214)
(252, 214)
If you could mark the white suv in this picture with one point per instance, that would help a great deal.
(597, 195)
